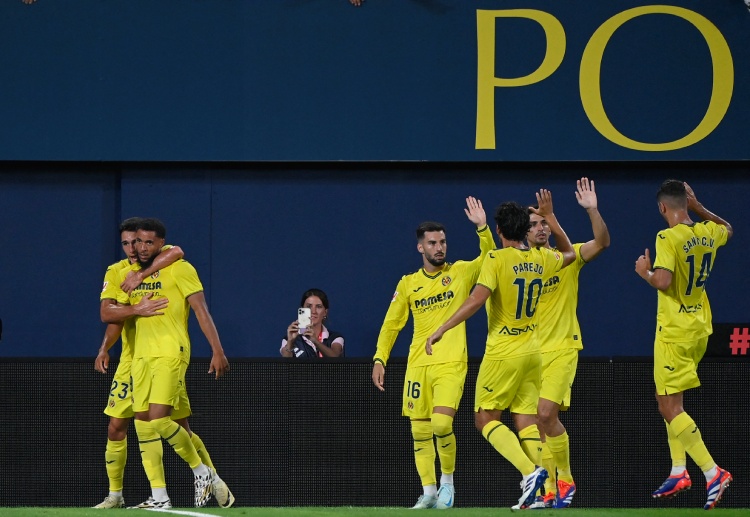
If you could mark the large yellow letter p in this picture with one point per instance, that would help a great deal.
(486, 80)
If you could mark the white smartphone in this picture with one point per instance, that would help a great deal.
(303, 318)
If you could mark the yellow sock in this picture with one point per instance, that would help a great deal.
(548, 462)
(424, 451)
(202, 451)
(689, 435)
(176, 436)
(442, 427)
(150, 445)
(676, 449)
(115, 456)
(559, 446)
(506, 443)
(531, 443)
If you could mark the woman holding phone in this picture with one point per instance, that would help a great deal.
(307, 336)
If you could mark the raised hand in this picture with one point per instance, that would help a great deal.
(586, 193)
(475, 212)
(692, 201)
(544, 200)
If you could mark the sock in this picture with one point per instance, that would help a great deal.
(677, 470)
(150, 445)
(159, 494)
(689, 435)
(676, 450)
(442, 427)
(446, 479)
(424, 451)
(710, 474)
(506, 443)
(548, 462)
(178, 438)
(202, 451)
(559, 446)
(430, 490)
(115, 456)
(531, 443)
(201, 470)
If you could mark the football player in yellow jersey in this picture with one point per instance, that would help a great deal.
(120, 404)
(511, 283)
(162, 354)
(559, 337)
(685, 254)
(433, 385)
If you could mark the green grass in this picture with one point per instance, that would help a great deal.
(384, 512)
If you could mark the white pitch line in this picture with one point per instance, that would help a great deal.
(182, 512)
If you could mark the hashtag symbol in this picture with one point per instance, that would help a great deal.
(739, 341)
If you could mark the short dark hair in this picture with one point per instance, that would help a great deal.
(130, 224)
(673, 193)
(314, 292)
(429, 226)
(513, 221)
(151, 224)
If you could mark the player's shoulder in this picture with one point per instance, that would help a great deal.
(495, 254)
(118, 267)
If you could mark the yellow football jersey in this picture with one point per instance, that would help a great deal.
(166, 335)
(688, 251)
(431, 299)
(111, 291)
(516, 279)
(558, 322)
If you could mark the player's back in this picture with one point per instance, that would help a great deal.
(689, 252)
(516, 278)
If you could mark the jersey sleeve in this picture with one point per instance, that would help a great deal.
(487, 276)
(720, 234)
(665, 256)
(112, 279)
(486, 244)
(395, 319)
(554, 260)
(186, 278)
(111, 283)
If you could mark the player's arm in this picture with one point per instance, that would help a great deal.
(476, 214)
(704, 213)
(162, 260)
(395, 319)
(219, 361)
(110, 311)
(586, 196)
(544, 201)
(658, 278)
(478, 297)
(111, 335)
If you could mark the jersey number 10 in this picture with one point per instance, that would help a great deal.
(527, 296)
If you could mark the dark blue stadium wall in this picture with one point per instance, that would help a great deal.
(260, 235)
(394, 80)
(297, 143)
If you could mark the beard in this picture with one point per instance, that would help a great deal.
(145, 264)
(437, 262)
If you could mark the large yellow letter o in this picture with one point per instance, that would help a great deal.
(721, 93)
